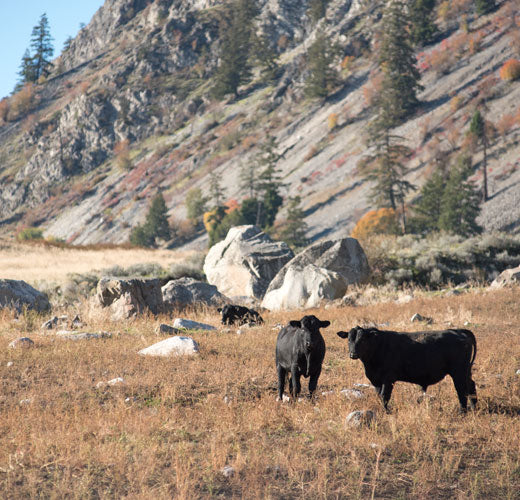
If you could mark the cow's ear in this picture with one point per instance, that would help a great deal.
(295, 323)
(324, 324)
(342, 334)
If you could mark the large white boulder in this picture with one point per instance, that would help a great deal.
(17, 294)
(323, 271)
(245, 262)
(173, 346)
(305, 287)
(507, 277)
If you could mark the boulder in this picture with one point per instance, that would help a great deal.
(507, 277)
(188, 324)
(17, 294)
(167, 329)
(183, 292)
(359, 418)
(71, 335)
(245, 262)
(305, 287)
(330, 267)
(174, 346)
(129, 297)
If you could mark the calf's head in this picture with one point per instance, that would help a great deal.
(359, 344)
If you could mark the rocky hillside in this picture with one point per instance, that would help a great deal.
(128, 111)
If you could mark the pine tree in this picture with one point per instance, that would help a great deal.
(215, 190)
(236, 39)
(249, 179)
(294, 228)
(322, 75)
(485, 6)
(195, 204)
(423, 28)
(155, 225)
(266, 57)
(479, 130)
(317, 9)
(397, 62)
(27, 72)
(460, 202)
(395, 101)
(41, 45)
(269, 183)
(429, 207)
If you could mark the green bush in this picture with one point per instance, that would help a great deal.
(30, 233)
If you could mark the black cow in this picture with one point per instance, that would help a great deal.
(232, 314)
(300, 350)
(422, 358)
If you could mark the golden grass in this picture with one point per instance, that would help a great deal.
(33, 261)
(169, 431)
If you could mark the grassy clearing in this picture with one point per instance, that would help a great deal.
(39, 262)
(169, 430)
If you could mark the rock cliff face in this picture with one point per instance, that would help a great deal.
(128, 111)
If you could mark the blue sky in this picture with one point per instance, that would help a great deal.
(17, 19)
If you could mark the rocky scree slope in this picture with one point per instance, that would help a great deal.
(137, 79)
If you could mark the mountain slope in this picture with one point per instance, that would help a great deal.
(136, 80)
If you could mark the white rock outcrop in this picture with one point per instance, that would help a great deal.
(17, 294)
(173, 346)
(245, 262)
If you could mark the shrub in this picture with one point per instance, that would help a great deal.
(4, 109)
(332, 121)
(22, 102)
(122, 153)
(30, 233)
(510, 70)
(382, 221)
(505, 124)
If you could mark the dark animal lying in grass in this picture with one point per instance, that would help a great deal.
(239, 315)
(300, 350)
(422, 358)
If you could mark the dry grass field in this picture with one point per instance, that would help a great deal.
(175, 423)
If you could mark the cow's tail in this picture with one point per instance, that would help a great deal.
(471, 336)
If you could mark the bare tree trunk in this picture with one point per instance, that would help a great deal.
(484, 167)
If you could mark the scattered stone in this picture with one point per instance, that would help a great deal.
(364, 386)
(17, 294)
(327, 393)
(76, 322)
(240, 331)
(226, 330)
(188, 324)
(186, 292)
(517, 371)
(228, 471)
(417, 317)
(167, 329)
(50, 323)
(285, 398)
(245, 262)
(174, 346)
(72, 335)
(359, 417)
(507, 277)
(22, 342)
(114, 381)
(27, 401)
(228, 400)
(467, 323)
(352, 393)
(9, 364)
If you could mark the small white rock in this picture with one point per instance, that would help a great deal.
(188, 324)
(240, 331)
(23, 342)
(352, 393)
(27, 401)
(175, 346)
(327, 393)
(9, 364)
(285, 398)
(228, 400)
(517, 371)
(116, 381)
(359, 417)
(228, 471)
(364, 386)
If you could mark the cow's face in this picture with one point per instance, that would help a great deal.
(313, 324)
(310, 326)
(359, 341)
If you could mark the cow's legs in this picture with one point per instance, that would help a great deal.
(461, 386)
(385, 392)
(282, 374)
(313, 383)
(472, 392)
(296, 386)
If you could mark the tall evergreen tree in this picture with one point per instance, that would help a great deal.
(26, 73)
(423, 27)
(236, 40)
(294, 227)
(249, 179)
(266, 56)
(485, 6)
(41, 45)
(395, 101)
(323, 77)
(216, 191)
(429, 207)
(479, 130)
(460, 202)
(155, 225)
